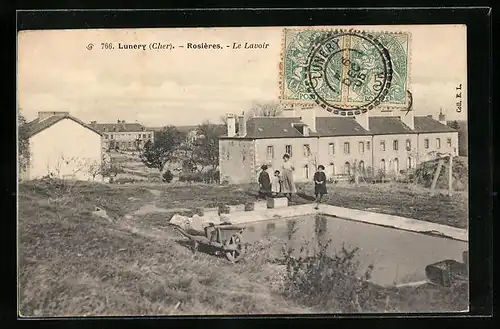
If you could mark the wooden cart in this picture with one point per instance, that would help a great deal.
(225, 237)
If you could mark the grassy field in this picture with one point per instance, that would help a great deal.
(72, 262)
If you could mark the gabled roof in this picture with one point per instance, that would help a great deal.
(339, 126)
(273, 127)
(388, 125)
(119, 127)
(429, 125)
(34, 127)
(283, 127)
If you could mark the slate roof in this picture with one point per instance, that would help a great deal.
(273, 127)
(120, 127)
(339, 126)
(281, 127)
(429, 125)
(34, 127)
(388, 125)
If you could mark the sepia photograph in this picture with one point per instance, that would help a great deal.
(242, 171)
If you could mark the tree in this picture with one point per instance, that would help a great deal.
(157, 154)
(454, 125)
(24, 151)
(266, 109)
(206, 145)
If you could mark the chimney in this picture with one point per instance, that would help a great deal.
(442, 118)
(93, 123)
(408, 119)
(118, 121)
(242, 125)
(42, 115)
(308, 116)
(231, 125)
(363, 120)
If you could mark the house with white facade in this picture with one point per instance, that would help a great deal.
(123, 136)
(380, 143)
(62, 146)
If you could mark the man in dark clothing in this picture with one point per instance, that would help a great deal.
(319, 185)
(264, 183)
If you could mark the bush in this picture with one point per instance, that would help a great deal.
(326, 282)
(167, 176)
(249, 206)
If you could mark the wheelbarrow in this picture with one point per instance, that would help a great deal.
(226, 238)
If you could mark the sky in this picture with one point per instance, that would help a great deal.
(57, 72)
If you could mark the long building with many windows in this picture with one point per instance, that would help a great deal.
(123, 136)
(388, 144)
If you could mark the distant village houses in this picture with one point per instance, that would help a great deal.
(123, 136)
(387, 143)
(61, 146)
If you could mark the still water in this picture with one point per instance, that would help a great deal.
(397, 256)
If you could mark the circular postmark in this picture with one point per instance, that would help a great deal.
(348, 72)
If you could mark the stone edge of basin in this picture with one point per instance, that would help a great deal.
(386, 220)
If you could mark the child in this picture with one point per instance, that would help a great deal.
(264, 183)
(319, 185)
(276, 183)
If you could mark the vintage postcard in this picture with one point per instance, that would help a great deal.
(242, 170)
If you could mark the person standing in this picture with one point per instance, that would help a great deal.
(288, 186)
(264, 183)
(319, 185)
(276, 183)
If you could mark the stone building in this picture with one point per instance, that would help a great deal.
(123, 136)
(387, 143)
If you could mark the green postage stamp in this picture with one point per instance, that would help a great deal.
(345, 70)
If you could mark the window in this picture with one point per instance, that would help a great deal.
(347, 148)
(395, 164)
(106, 136)
(129, 144)
(307, 150)
(438, 143)
(408, 145)
(111, 137)
(409, 163)
(368, 146)
(382, 145)
(347, 168)
(331, 149)
(332, 169)
(426, 143)
(288, 149)
(382, 165)
(306, 171)
(361, 147)
(143, 135)
(270, 152)
(448, 141)
(395, 145)
(149, 135)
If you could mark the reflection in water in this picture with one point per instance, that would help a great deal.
(320, 226)
(292, 228)
(270, 227)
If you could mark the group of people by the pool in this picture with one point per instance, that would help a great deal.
(282, 182)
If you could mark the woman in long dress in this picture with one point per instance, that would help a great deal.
(288, 185)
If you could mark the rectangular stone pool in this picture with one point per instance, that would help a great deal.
(398, 256)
